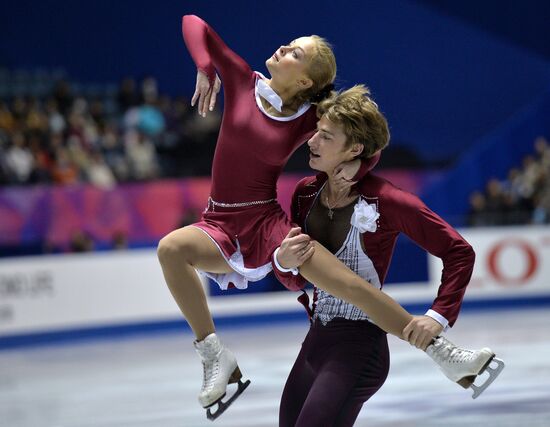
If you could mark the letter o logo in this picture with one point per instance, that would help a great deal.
(505, 278)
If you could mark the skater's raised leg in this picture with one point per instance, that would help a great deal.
(180, 253)
(326, 272)
(462, 366)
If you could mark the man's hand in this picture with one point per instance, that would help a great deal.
(420, 331)
(205, 93)
(295, 249)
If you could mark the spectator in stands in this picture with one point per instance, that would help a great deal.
(495, 204)
(523, 198)
(64, 171)
(98, 173)
(149, 90)
(18, 109)
(141, 155)
(477, 216)
(542, 150)
(111, 146)
(127, 95)
(35, 119)
(42, 162)
(56, 121)
(65, 119)
(7, 121)
(541, 211)
(19, 160)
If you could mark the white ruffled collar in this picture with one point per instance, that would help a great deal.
(263, 90)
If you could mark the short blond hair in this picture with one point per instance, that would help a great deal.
(358, 114)
(321, 70)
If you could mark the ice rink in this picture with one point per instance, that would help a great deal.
(152, 380)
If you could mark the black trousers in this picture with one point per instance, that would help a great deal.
(340, 366)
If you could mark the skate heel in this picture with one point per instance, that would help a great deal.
(466, 382)
(235, 376)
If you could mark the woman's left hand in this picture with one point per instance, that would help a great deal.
(343, 175)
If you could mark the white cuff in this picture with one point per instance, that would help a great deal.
(294, 270)
(438, 318)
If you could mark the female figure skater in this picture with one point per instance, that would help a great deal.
(344, 359)
(264, 121)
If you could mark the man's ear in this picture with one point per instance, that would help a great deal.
(357, 149)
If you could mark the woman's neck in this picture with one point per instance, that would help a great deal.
(287, 95)
(270, 109)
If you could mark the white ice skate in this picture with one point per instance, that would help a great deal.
(219, 369)
(463, 366)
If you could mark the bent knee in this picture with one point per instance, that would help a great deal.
(175, 246)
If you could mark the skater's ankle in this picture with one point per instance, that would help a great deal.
(203, 336)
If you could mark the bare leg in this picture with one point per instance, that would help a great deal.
(180, 252)
(326, 272)
(459, 365)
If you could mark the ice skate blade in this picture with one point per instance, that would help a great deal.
(493, 374)
(222, 406)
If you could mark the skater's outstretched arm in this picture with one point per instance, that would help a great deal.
(212, 56)
(210, 53)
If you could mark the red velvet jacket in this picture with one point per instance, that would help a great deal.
(400, 212)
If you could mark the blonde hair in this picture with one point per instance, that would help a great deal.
(321, 70)
(358, 114)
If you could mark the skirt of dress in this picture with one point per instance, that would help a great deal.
(247, 238)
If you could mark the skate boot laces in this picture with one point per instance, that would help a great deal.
(210, 370)
(209, 350)
(444, 351)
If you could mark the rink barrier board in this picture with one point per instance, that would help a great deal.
(120, 292)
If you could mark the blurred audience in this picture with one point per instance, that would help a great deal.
(522, 198)
(70, 136)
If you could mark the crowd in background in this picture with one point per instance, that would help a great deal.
(133, 133)
(522, 198)
(53, 131)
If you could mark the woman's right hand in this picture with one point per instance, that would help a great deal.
(295, 249)
(205, 93)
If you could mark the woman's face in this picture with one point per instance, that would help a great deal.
(328, 147)
(289, 64)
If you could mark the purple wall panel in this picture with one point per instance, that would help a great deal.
(144, 212)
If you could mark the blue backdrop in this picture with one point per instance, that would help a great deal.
(442, 82)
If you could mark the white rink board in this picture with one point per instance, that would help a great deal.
(510, 262)
(59, 292)
(56, 292)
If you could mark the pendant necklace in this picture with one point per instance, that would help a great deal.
(331, 208)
